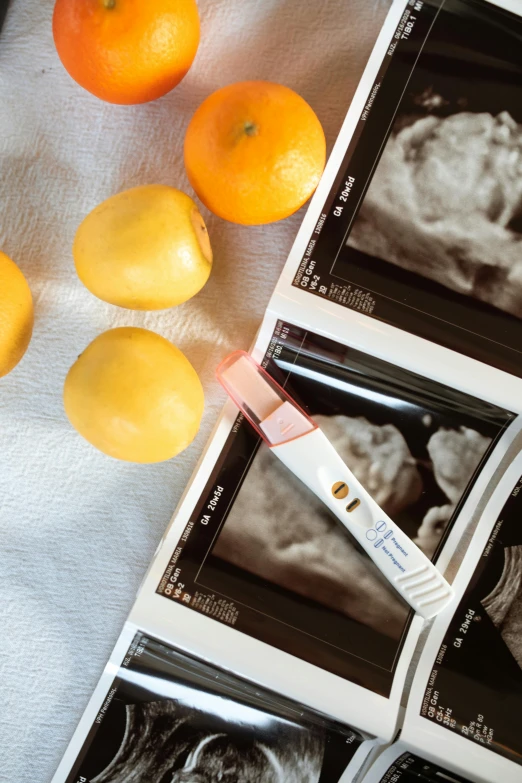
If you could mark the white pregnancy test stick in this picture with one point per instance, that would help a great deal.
(299, 443)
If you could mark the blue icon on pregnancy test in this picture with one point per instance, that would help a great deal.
(372, 534)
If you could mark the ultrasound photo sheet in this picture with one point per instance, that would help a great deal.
(466, 697)
(163, 716)
(396, 324)
(417, 223)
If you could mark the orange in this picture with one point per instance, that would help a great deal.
(126, 51)
(254, 152)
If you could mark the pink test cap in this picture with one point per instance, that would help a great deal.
(265, 404)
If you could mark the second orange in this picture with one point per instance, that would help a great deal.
(254, 152)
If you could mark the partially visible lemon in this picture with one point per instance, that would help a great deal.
(145, 249)
(134, 396)
(16, 314)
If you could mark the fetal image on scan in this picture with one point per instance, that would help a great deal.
(445, 201)
(172, 719)
(292, 540)
(478, 670)
(504, 603)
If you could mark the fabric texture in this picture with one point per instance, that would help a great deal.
(78, 529)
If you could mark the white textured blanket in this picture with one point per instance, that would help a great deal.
(78, 529)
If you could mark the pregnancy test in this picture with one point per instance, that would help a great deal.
(298, 442)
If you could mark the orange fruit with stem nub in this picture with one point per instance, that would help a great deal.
(126, 51)
(254, 152)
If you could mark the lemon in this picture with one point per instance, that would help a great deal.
(134, 396)
(16, 315)
(144, 249)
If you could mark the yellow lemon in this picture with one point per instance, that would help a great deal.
(134, 396)
(16, 315)
(145, 249)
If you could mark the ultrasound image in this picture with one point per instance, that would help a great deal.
(169, 718)
(504, 603)
(167, 738)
